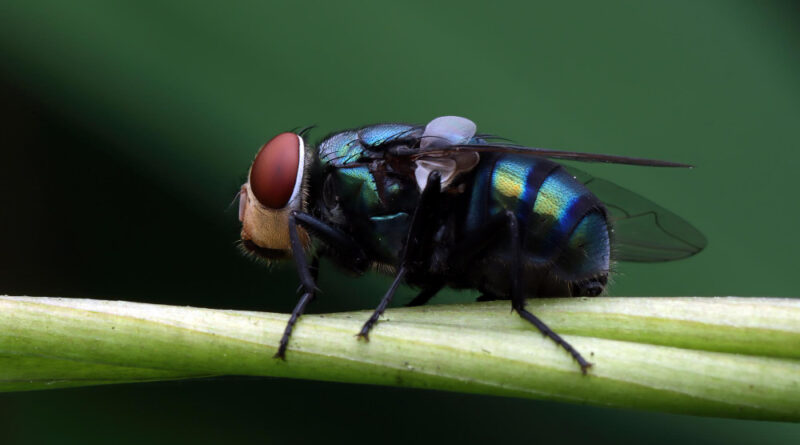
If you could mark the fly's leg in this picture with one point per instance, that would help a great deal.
(287, 332)
(419, 235)
(350, 254)
(314, 272)
(518, 299)
(425, 295)
(307, 285)
(331, 236)
(479, 240)
(387, 298)
(547, 332)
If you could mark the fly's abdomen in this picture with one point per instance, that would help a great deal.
(564, 230)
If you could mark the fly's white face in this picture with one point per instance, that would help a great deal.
(274, 189)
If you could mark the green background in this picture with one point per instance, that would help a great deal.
(127, 128)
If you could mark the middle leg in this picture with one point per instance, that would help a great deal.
(425, 295)
(417, 241)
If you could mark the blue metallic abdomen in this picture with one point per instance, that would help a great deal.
(564, 228)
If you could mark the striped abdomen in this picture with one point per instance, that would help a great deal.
(563, 227)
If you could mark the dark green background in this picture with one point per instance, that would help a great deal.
(127, 128)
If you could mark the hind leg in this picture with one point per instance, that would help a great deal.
(476, 243)
(518, 299)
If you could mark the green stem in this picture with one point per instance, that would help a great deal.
(729, 357)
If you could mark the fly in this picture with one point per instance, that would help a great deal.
(441, 205)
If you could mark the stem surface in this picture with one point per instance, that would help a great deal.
(721, 356)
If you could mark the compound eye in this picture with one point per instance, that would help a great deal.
(274, 173)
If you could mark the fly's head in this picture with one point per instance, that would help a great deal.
(275, 187)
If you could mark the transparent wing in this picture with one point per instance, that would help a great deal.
(547, 153)
(643, 230)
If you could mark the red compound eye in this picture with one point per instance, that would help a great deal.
(274, 170)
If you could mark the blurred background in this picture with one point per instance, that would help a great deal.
(127, 127)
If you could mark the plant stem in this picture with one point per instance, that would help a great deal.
(727, 357)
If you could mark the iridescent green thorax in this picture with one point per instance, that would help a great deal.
(340, 149)
(358, 185)
(348, 146)
(376, 209)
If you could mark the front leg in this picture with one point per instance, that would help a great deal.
(417, 243)
(329, 235)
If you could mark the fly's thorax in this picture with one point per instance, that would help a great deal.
(277, 186)
(376, 211)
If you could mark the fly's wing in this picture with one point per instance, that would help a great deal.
(452, 136)
(643, 230)
(551, 153)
